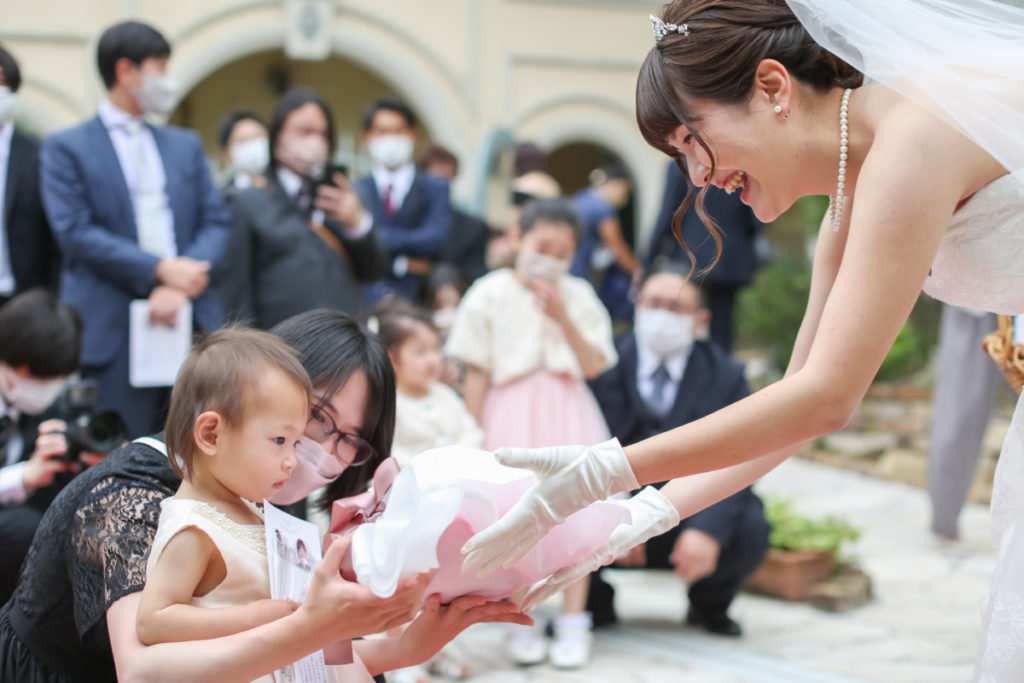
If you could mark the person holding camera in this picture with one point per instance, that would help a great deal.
(304, 240)
(40, 339)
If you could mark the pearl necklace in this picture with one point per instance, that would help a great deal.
(837, 203)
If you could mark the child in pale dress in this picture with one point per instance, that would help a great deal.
(239, 410)
(530, 337)
(429, 413)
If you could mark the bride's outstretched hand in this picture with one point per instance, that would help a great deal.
(569, 478)
(651, 514)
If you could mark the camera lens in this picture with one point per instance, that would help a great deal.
(105, 432)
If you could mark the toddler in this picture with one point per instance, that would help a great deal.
(428, 413)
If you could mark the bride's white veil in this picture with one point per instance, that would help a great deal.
(961, 59)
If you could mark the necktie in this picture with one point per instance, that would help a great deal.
(660, 382)
(150, 200)
(388, 197)
(305, 199)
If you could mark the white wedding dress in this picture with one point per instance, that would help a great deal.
(980, 263)
(960, 60)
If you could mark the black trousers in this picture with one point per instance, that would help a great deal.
(714, 593)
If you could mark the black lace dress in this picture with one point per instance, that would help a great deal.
(89, 551)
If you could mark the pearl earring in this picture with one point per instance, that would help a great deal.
(778, 108)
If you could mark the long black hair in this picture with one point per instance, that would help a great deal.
(333, 346)
(293, 99)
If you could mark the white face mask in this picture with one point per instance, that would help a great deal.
(157, 94)
(663, 332)
(7, 101)
(251, 157)
(444, 318)
(304, 154)
(315, 468)
(534, 266)
(29, 395)
(391, 151)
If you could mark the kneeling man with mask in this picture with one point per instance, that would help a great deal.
(40, 340)
(666, 378)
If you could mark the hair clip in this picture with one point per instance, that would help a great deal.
(661, 29)
(373, 324)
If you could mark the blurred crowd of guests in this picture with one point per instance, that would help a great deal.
(499, 335)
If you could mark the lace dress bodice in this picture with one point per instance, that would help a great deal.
(980, 261)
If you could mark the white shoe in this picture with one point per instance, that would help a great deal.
(573, 638)
(526, 645)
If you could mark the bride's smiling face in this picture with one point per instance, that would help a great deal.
(749, 152)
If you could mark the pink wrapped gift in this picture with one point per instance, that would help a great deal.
(418, 520)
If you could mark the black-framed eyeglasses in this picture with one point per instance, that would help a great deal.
(321, 426)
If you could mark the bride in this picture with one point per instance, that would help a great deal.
(924, 163)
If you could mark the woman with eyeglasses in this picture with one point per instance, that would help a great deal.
(73, 614)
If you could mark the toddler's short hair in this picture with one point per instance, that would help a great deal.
(222, 373)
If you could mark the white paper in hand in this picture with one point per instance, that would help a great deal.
(156, 352)
(293, 550)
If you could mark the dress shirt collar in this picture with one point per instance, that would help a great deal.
(399, 180)
(647, 362)
(291, 181)
(113, 117)
(6, 132)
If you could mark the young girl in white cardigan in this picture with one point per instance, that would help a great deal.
(530, 337)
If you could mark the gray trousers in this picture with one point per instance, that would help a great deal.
(966, 384)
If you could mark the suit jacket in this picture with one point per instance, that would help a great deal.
(418, 230)
(277, 266)
(739, 225)
(35, 257)
(711, 381)
(466, 248)
(89, 207)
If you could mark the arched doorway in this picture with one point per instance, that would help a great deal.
(571, 165)
(256, 81)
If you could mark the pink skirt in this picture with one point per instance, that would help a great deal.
(542, 409)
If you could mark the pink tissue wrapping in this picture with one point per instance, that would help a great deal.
(442, 499)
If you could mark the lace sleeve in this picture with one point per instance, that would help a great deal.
(111, 534)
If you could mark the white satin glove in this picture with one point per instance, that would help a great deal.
(651, 513)
(569, 478)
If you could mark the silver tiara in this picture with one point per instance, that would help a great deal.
(661, 29)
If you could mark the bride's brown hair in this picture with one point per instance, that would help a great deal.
(717, 60)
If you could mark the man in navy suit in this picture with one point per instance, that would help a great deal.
(29, 256)
(739, 259)
(136, 214)
(665, 379)
(411, 209)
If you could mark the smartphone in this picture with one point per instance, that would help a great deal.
(327, 177)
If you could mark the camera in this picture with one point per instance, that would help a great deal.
(88, 431)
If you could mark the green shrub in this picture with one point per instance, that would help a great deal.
(791, 531)
(769, 312)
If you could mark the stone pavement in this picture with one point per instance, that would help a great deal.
(922, 625)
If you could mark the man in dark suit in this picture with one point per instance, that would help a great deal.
(29, 256)
(665, 379)
(40, 340)
(739, 260)
(411, 209)
(136, 214)
(302, 241)
(466, 248)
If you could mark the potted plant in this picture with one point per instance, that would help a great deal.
(802, 552)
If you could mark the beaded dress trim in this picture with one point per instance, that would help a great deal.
(252, 536)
